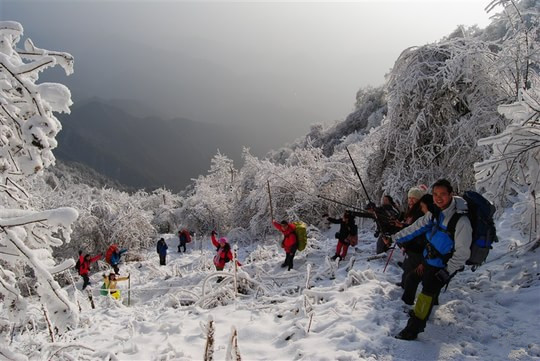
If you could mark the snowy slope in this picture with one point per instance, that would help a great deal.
(492, 314)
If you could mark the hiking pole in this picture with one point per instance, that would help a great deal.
(270, 199)
(379, 225)
(338, 202)
(358, 174)
(389, 258)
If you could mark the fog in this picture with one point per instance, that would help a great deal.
(279, 66)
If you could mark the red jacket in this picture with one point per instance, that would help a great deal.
(289, 242)
(84, 267)
(223, 253)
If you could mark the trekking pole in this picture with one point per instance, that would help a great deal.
(309, 194)
(358, 174)
(338, 202)
(379, 225)
(389, 258)
(270, 199)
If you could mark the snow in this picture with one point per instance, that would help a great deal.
(491, 314)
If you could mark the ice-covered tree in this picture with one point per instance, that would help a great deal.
(512, 174)
(27, 137)
(513, 36)
(164, 206)
(441, 99)
(210, 203)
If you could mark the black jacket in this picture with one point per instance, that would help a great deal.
(346, 229)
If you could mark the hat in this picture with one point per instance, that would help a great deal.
(416, 192)
(222, 240)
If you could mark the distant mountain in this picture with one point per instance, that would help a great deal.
(79, 173)
(143, 152)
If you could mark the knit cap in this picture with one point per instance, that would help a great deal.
(416, 192)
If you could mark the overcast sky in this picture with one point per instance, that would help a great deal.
(279, 64)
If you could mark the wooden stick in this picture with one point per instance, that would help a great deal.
(209, 348)
(310, 319)
(91, 298)
(12, 334)
(235, 272)
(129, 289)
(49, 325)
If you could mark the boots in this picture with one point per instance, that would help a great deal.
(413, 328)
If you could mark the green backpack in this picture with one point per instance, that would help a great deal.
(301, 235)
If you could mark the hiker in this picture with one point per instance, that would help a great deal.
(443, 257)
(183, 238)
(384, 217)
(223, 253)
(84, 267)
(389, 201)
(110, 287)
(162, 251)
(414, 257)
(347, 231)
(113, 257)
(412, 250)
(289, 243)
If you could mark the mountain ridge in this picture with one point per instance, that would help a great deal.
(145, 152)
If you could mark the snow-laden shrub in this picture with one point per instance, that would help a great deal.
(164, 206)
(209, 205)
(28, 132)
(441, 99)
(511, 174)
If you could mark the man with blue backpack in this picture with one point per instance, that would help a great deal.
(449, 236)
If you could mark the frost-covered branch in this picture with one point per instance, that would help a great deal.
(27, 137)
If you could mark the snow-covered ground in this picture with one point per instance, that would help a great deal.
(343, 313)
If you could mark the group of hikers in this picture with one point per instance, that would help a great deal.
(184, 237)
(112, 257)
(434, 238)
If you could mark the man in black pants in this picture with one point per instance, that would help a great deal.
(443, 256)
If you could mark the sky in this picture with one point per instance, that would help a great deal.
(280, 64)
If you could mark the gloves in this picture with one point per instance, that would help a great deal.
(443, 276)
(213, 232)
(420, 269)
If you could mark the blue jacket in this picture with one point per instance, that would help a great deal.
(115, 257)
(162, 248)
(448, 253)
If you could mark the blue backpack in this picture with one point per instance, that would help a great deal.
(480, 213)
